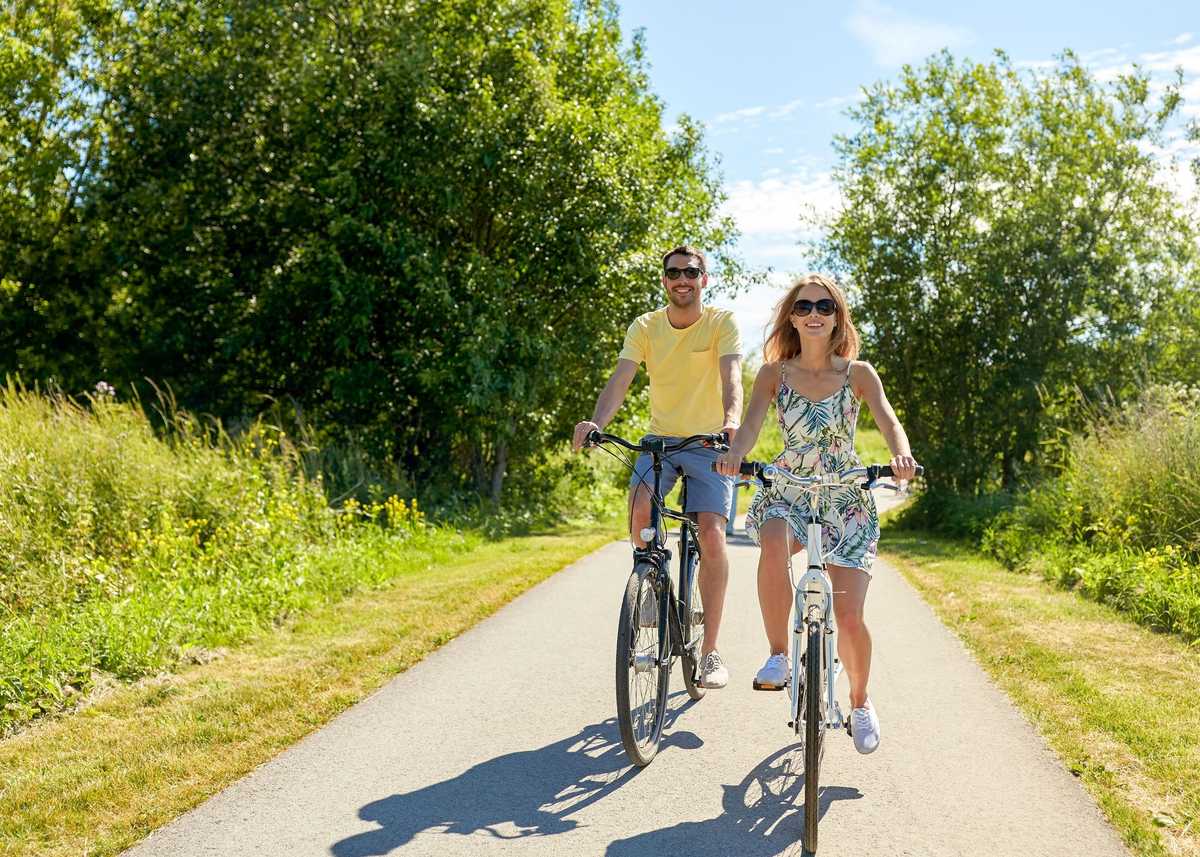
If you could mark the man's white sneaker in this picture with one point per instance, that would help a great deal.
(774, 673)
(712, 670)
(864, 728)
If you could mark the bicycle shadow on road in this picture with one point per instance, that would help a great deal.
(527, 793)
(763, 816)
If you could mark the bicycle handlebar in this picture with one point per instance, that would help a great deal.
(719, 441)
(766, 473)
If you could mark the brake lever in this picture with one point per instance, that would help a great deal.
(875, 483)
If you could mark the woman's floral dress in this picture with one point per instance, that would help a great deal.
(819, 438)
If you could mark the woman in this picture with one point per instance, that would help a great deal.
(817, 384)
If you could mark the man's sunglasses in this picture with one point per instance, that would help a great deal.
(689, 272)
(825, 306)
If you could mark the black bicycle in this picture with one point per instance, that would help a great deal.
(658, 622)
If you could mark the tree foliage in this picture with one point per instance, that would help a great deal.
(1007, 237)
(424, 226)
(53, 112)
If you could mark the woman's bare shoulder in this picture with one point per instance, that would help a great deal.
(862, 377)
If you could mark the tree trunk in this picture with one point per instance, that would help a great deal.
(498, 467)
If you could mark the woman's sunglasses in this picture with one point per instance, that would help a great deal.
(689, 272)
(825, 306)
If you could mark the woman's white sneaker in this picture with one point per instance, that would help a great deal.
(864, 728)
(774, 673)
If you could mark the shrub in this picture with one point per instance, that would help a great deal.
(1121, 523)
(121, 551)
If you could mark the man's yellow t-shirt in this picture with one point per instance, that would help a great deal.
(685, 380)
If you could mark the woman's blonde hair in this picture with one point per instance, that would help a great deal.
(783, 342)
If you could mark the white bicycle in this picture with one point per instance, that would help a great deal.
(814, 708)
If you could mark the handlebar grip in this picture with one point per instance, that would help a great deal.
(753, 469)
(886, 470)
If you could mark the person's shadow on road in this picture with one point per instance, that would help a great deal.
(763, 816)
(534, 791)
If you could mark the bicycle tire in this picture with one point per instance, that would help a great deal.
(692, 611)
(814, 735)
(641, 695)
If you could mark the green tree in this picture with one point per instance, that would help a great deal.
(425, 224)
(1005, 234)
(53, 110)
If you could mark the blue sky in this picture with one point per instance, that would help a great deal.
(771, 82)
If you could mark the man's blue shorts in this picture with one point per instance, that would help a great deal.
(707, 490)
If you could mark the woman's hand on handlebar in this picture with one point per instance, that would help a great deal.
(904, 467)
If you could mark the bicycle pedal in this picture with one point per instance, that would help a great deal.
(758, 686)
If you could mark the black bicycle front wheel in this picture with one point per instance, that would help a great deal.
(692, 615)
(814, 735)
(642, 674)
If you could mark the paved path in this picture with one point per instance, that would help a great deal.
(503, 742)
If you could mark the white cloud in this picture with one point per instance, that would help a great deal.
(768, 214)
(894, 38)
(786, 109)
(779, 111)
(839, 101)
(777, 150)
(1161, 67)
(1182, 39)
(738, 115)
(1186, 58)
(776, 205)
(1103, 55)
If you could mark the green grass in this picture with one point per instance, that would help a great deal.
(1121, 522)
(177, 606)
(1117, 702)
(136, 756)
(126, 552)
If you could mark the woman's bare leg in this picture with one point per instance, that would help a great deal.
(774, 587)
(853, 638)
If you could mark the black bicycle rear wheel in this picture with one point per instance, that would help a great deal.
(642, 674)
(692, 612)
(814, 735)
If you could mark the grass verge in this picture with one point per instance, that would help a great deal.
(135, 757)
(1117, 702)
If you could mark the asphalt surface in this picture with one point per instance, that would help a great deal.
(504, 742)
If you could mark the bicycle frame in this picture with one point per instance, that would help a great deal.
(814, 604)
(673, 639)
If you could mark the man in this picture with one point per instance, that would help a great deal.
(693, 355)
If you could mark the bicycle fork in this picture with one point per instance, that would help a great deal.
(814, 604)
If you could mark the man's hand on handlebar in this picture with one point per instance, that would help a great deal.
(582, 430)
(728, 464)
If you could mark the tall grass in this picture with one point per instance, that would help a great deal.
(1122, 521)
(123, 550)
